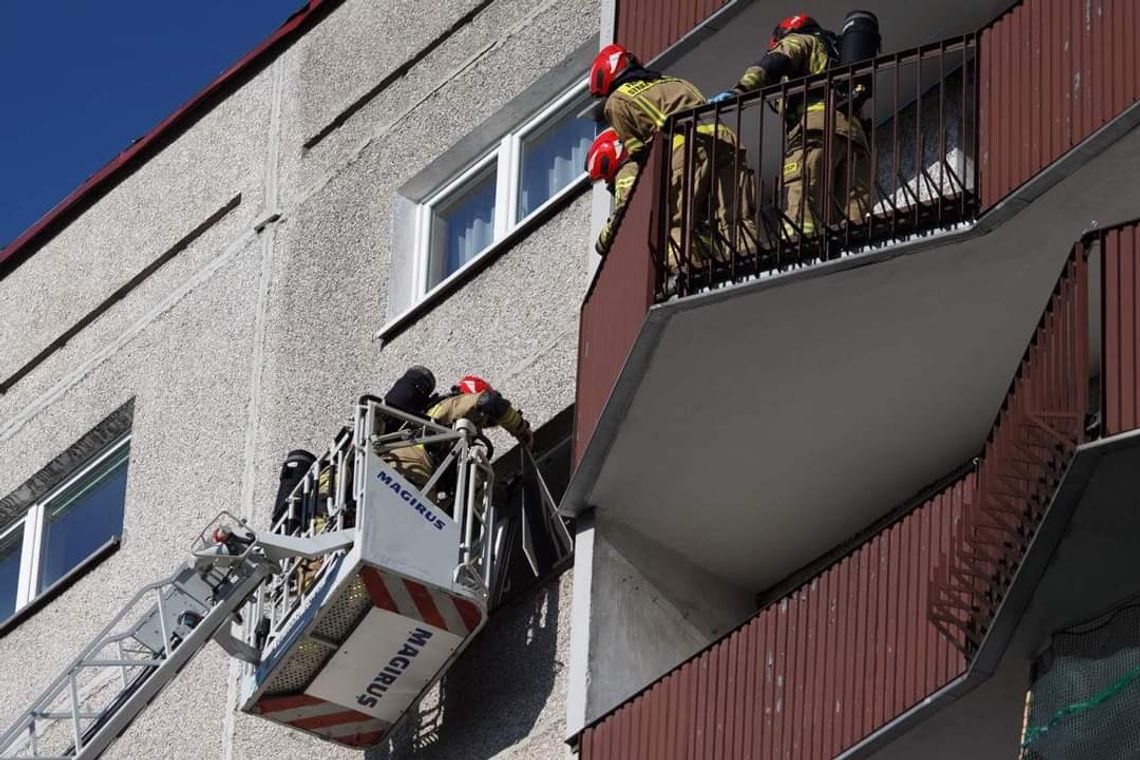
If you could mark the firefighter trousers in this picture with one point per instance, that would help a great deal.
(720, 215)
(808, 179)
(416, 465)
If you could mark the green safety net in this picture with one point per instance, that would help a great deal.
(1085, 700)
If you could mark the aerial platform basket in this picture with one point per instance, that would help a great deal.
(347, 647)
(353, 604)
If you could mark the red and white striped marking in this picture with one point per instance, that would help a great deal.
(318, 716)
(341, 678)
(419, 602)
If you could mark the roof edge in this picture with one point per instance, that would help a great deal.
(163, 134)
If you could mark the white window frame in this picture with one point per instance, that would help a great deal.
(25, 557)
(33, 523)
(507, 157)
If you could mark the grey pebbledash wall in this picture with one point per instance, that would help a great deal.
(258, 336)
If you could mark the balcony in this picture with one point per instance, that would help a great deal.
(928, 626)
(743, 423)
(844, 344)
(921, 176)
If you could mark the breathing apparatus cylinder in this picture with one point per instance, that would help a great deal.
(293, 469)
(412, 392)
(859, 41)
(860, 38)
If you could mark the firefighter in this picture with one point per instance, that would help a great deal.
(413, 393)
(474, 399)
(608, 161)
(638, 101)
(800, 47)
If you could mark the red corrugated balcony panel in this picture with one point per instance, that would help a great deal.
(648, 27)
(1120, 248)
(615, 305)
(1052, 73)
(903, 614)
(1036, 434)
(816, 671)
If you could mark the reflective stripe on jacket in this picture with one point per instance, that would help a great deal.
(485, 409)
(637, 110)
(806, 55)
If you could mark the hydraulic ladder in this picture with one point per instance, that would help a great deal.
(152, 638)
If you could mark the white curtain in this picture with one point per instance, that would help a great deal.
(552, 160)
(462, 229)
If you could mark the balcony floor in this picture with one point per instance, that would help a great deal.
(755, 428)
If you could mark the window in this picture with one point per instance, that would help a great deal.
(10, 548)
(551, 157)
(462, 224)
(63, 529)
(526, 171)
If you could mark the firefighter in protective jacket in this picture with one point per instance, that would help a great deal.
(638, 101)
(608, 161)
(474, 399)
(800, 47)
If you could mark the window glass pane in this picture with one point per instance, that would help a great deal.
(552, 158)
(462, 226)
(10, 547)
(83, 517)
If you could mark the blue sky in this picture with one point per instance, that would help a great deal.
(81, 79)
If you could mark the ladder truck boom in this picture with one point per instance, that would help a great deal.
(150, 640)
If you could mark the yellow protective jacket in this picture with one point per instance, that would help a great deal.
(622, 185)
(637, 110)
(802, 55)
(796, 56)
(486, 409)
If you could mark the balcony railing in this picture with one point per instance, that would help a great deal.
(902, 616)
(1037, 432)
(921, 139)
(953, 130)
(883, 150)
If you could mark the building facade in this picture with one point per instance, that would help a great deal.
(893, 444)
(860, 492)
(226, 293)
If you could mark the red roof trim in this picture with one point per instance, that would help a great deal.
(141, 150)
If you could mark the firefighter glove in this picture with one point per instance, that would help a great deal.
(605, 240)
(525, 436)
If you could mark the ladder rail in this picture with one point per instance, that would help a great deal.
(63, 701)
(173, 664)
(149, 640)
(92, 731)
(100, 640)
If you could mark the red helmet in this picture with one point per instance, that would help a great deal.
(801, 23)
(610, 61)
(606, 155)
(473, 384)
